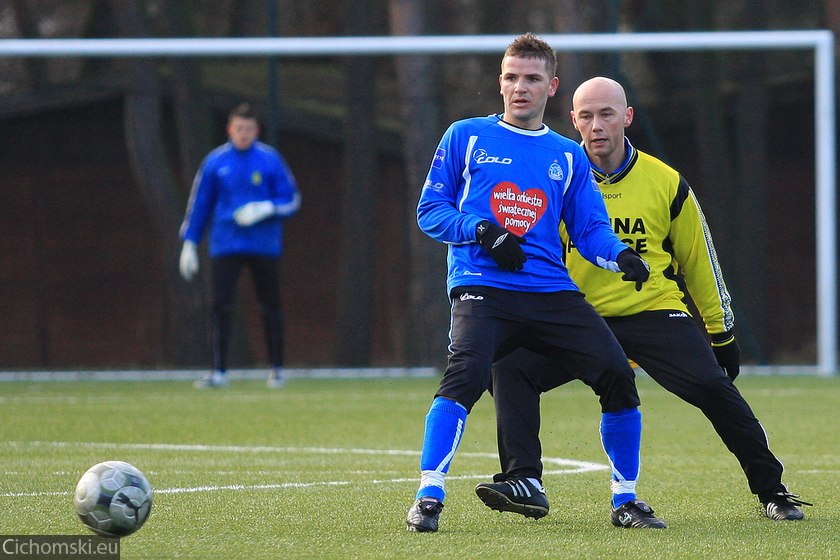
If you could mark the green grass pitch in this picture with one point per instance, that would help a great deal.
(327, 468)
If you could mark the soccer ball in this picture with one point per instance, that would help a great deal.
(113, 499)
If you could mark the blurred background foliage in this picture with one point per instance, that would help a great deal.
(98, 156)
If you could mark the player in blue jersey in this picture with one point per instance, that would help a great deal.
(496, 192)
(243, 192)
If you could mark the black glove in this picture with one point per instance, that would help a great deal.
(502, 245)
(634, 267)
(727, 353)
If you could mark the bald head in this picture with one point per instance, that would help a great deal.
(600, 113)
(603, 90)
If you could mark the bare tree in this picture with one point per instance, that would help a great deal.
(428, 307)
(357, 258)
(467, 73)
(748, 189)
(566, 19)
(181, 341)
(27, 23)
(832, 21)
(191, 114)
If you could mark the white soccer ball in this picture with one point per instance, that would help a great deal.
(113, 499)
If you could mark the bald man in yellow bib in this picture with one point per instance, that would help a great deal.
(655, 212)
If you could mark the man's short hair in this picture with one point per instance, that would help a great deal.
(243, 111)
(531, 46)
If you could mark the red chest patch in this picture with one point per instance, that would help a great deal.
(517, 211)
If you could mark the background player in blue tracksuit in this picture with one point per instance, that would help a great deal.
(496, 192)
(243, 190)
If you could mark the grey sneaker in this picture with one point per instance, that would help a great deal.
(215, 380)
(636, 514)
(514, 494)
(275, 380)
(423, 515)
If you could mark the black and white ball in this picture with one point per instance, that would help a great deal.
(113, 499)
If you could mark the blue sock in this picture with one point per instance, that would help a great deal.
(444, 428)
(621, 435)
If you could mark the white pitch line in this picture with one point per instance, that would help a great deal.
(32, 494)
(578, 466)
(573, 465)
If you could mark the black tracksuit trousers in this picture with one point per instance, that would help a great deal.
(670, 347)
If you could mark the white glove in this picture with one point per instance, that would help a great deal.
(253, 212)
(188, 265)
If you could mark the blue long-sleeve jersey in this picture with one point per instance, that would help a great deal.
(526, 181)
(229, 178)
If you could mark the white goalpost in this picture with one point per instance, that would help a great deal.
(821, 42)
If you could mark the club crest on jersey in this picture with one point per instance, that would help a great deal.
(555, 172)
(437, 160)
(256, 178)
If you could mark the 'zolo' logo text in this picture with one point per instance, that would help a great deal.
(480, 156)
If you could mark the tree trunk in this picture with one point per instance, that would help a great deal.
(190, 111)
(428, 309)
(357, 258)
(749, 276)
(569, 68)
(27, 24)
(181, 342)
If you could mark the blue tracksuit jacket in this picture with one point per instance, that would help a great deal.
(229, 178)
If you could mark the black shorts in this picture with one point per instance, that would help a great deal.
(668, 345)
(489, 323)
